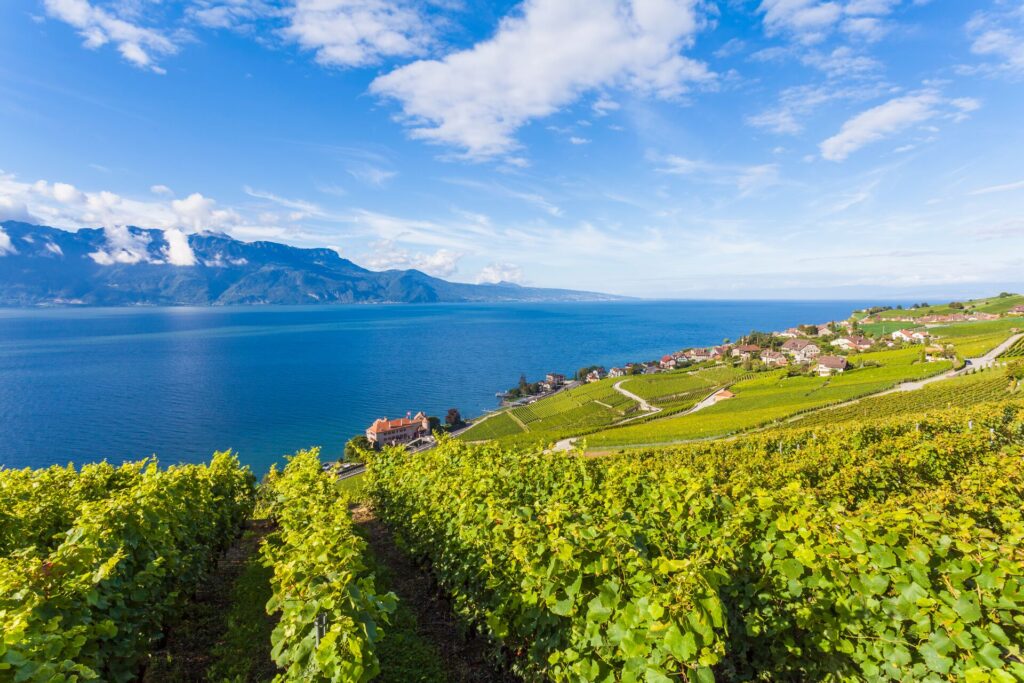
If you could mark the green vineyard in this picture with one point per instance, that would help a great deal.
(94, 562)
(959, 392)
(889, 551)
(1015, 351)
(771, 396)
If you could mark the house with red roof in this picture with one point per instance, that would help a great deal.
(385, 432)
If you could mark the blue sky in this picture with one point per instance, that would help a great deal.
(662, 148)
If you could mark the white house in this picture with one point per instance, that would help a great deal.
(910, 337)
(830, 365)
(801, 350)
(852, 343)
(616, 372)
(773, 359)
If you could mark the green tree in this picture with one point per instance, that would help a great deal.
(355, 447)
(453, 418)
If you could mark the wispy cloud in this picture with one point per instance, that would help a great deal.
(137, 44)
(890, 118)
(1008, 187)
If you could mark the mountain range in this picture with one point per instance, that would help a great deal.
(127, 266)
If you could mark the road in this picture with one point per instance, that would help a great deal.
(988, 360)
(644, 405)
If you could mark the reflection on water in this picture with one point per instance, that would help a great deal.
(86, 384)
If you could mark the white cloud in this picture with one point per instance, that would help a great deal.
(123, 245)
(162, 190)
(1008, 187)
(798, 102)
(178, 252)
(371, 175)
(543, 57)
(230, 14)
(300, 207)
(348, 33)
(747, 179)
(494, 273)
(99, 26)
(63, 205)
(880, 122)
(603, 105)
(54, 249)
(6, 247)
(811, 21)
(13, 210)
(579, 141)
(387, 255)
(999, 36)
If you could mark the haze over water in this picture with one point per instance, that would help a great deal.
(86, 384)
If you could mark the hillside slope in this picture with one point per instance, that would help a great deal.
(136, 266)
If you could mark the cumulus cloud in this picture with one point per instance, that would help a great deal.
(811, 21)
(6, 246)
(543, 57)
(64, 205)
(349, 33)
(890, 118)
(98, 26)
(387, 256)
(494, 273)
(162, 190)
(13, 210)
(178, 252)
(123, 245)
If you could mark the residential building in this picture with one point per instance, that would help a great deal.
(554, 379)
(910, 336)
(595, 375)
(667, 362)
(746, 351)
(616, 372)
(830, 365)
(773, 359)
(791, 333)
(853, 343)
(801, 350)
(385, 432)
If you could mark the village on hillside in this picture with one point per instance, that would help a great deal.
(822, 349)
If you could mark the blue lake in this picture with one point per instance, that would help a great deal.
(78, 385)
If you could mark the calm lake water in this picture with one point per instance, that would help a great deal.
(87, 384)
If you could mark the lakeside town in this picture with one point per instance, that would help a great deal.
(821, 349)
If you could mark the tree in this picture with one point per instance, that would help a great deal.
(524, 386)
(355, 447)
(453, 418)
(434, 423)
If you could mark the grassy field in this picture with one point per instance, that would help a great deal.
(773, 396)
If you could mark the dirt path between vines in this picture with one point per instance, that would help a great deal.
(193, 639)
(465, 656)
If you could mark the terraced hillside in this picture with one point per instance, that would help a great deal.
(772, 396)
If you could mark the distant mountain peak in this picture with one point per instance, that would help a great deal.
(143, 266)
